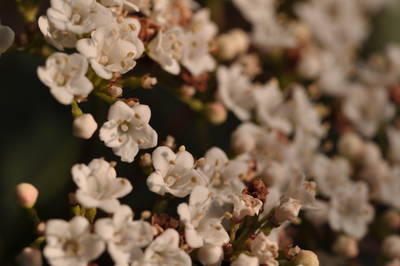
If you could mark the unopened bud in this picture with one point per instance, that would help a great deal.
(232, 44)
(210, 254)
(245, 260)
(288, 210)
(306, 258)
(30, 257)
(391, 247)
(84, 126)
(169, 142)
(115, 91)
(145, 160)
(350, 145)
(145, 215)
(216, 113)
(148, 81)
(346, 246)
(40, 228)
(27, 195)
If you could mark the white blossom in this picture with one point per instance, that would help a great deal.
(245, 205)
(65, 76)
(71, 243)
(7, 36)
(235, 91)
(113, 48)
(330, 174)
(84, 126)
(265, 250)
(349, 209)
(124, 237)
(270, 106)
(202, 226)
(174, 173)
(58, 38)
(127, 130)
(99, 186)
(78, 16)
(164, 250)
(367, 115)
(167, 49)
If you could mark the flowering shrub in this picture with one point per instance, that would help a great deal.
(317, 145)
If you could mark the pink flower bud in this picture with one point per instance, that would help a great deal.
(27, 195)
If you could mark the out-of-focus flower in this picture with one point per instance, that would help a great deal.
(350, 211)
(174, 173)
(391, 247)
(232, 44)
(346, 246)
(58, 38)
(127, 130)
(7, 36)
(71, 243)
(65, 76)
(306, 258)
(30, 257)
(210, 254)
(235, 91)
(99, 186)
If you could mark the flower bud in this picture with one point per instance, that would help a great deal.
(306, 258)
(391, 219)
(391, 247)
(30, 257)
(210, 254)
(27, 195)
(350, 145)
(288, 210)
(346, 246)
(232, 44)
(245, 260)
(146, 160)
(216, 113)
(84, 126)
(115, 91)
(148, 81)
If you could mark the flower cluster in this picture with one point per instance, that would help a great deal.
(319, 133)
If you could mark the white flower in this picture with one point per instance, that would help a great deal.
(268, 30)
(245, 205)
(367, 114)
(223, 175)
(245, 260)
(305, 115)
(124, 237)
(235, 91)
(65, 76)
(319, 214)
(232, 44)
(7, 36)
(128, 5)
(71, 243)
(265, 249)
(288, 210)
(349, 209)
(57, 38)
(127, 130)
(113, 48)
(78, 16)
(201, 224)
(174, 173)
(164, 250)
(84, 126)
(244, 138)
(330, 174)
(167, 49)
(270, 107)
(196, 57)
(301, 190)
(389, 188)
(99, 186)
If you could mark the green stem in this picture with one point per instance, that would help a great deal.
(33, 215)
(107, 98)
(75, 110)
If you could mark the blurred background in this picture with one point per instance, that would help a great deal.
(37, 145)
